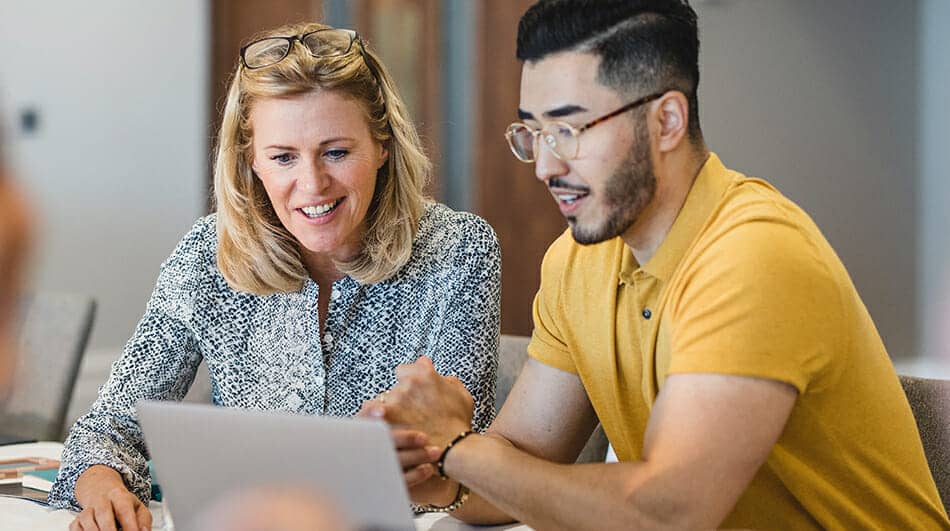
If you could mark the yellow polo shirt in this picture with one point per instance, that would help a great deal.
(745, 284)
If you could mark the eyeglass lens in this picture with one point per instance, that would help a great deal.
(558, 137)
(266, 52)
(321, 43)
(328, 43)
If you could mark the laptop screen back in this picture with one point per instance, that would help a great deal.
(202, 452)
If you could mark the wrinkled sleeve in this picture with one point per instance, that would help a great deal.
(157, 363)
(468, 344)
(761, 303)
(548, 343)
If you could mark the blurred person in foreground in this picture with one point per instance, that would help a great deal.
(273, 508)
(697, 313)
(14, 239)
(323, 269)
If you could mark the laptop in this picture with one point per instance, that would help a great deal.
(201, 452)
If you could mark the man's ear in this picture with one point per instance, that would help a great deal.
(672, 115)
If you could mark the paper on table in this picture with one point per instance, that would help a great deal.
(37, 483)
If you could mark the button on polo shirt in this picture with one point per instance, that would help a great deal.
(744, 284)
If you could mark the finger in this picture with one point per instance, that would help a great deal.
(75, 525)
(363, 412)
(388, 397)
(87, 520)
(375, 411)
(125, 513)
(144, 517)
(422, 366)
(406, 439)
(404, 372)
(413, 458)
(460, 387)
(104, 518)
(418, 475)
(454, 380)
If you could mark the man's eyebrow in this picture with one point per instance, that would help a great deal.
(559, 112)
(564, 110)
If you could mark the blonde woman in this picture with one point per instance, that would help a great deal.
(322, 270)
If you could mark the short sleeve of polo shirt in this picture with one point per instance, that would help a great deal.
(548, 343)
(756, 298)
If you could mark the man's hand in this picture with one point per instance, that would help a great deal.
(106, 501)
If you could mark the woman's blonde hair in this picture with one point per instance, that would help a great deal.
(256, 253)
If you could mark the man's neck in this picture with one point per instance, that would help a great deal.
(675, 174)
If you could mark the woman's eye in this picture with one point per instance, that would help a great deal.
(336, 154)
(283, 159)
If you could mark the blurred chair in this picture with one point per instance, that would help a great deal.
(512, 353)
(53, 332)
(930, 401)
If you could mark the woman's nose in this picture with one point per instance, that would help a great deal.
(313, 177)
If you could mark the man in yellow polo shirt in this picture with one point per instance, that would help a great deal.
(698, 313)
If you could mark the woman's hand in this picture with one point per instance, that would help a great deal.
(423, 400)
(107, 503)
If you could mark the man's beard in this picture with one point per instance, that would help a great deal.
(627, 193)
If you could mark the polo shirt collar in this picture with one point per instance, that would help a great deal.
(706, 192)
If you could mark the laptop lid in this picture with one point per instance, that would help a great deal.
(202, 452)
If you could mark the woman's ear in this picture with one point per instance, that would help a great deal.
(383, 156)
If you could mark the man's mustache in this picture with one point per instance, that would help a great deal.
(559, 184)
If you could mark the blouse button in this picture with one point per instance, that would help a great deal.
(328, 339)
(335, 294)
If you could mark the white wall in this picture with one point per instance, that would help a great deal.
(933, 214)
(818, 98)
(118, 165)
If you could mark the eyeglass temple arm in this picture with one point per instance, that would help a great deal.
(625, 108)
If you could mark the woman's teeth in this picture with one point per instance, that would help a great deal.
(320, 210)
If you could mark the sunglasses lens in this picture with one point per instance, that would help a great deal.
(266, 52)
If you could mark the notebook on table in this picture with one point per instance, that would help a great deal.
(202, 452)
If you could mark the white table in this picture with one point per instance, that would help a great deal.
(17, 514)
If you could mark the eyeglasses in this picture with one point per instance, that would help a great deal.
(560, 137)
(326, 42)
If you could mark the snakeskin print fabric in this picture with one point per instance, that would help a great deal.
(266, 353)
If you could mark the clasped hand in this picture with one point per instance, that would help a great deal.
(425, 410)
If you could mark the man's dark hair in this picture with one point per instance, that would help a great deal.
(645, 46)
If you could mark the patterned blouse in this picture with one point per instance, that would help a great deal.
(265, 352)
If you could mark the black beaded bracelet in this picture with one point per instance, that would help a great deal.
(440, 464)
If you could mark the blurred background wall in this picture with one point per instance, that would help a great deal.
(106, 105)
(933, 185)
(111, 107)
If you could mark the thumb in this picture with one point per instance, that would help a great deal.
(425, 361)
